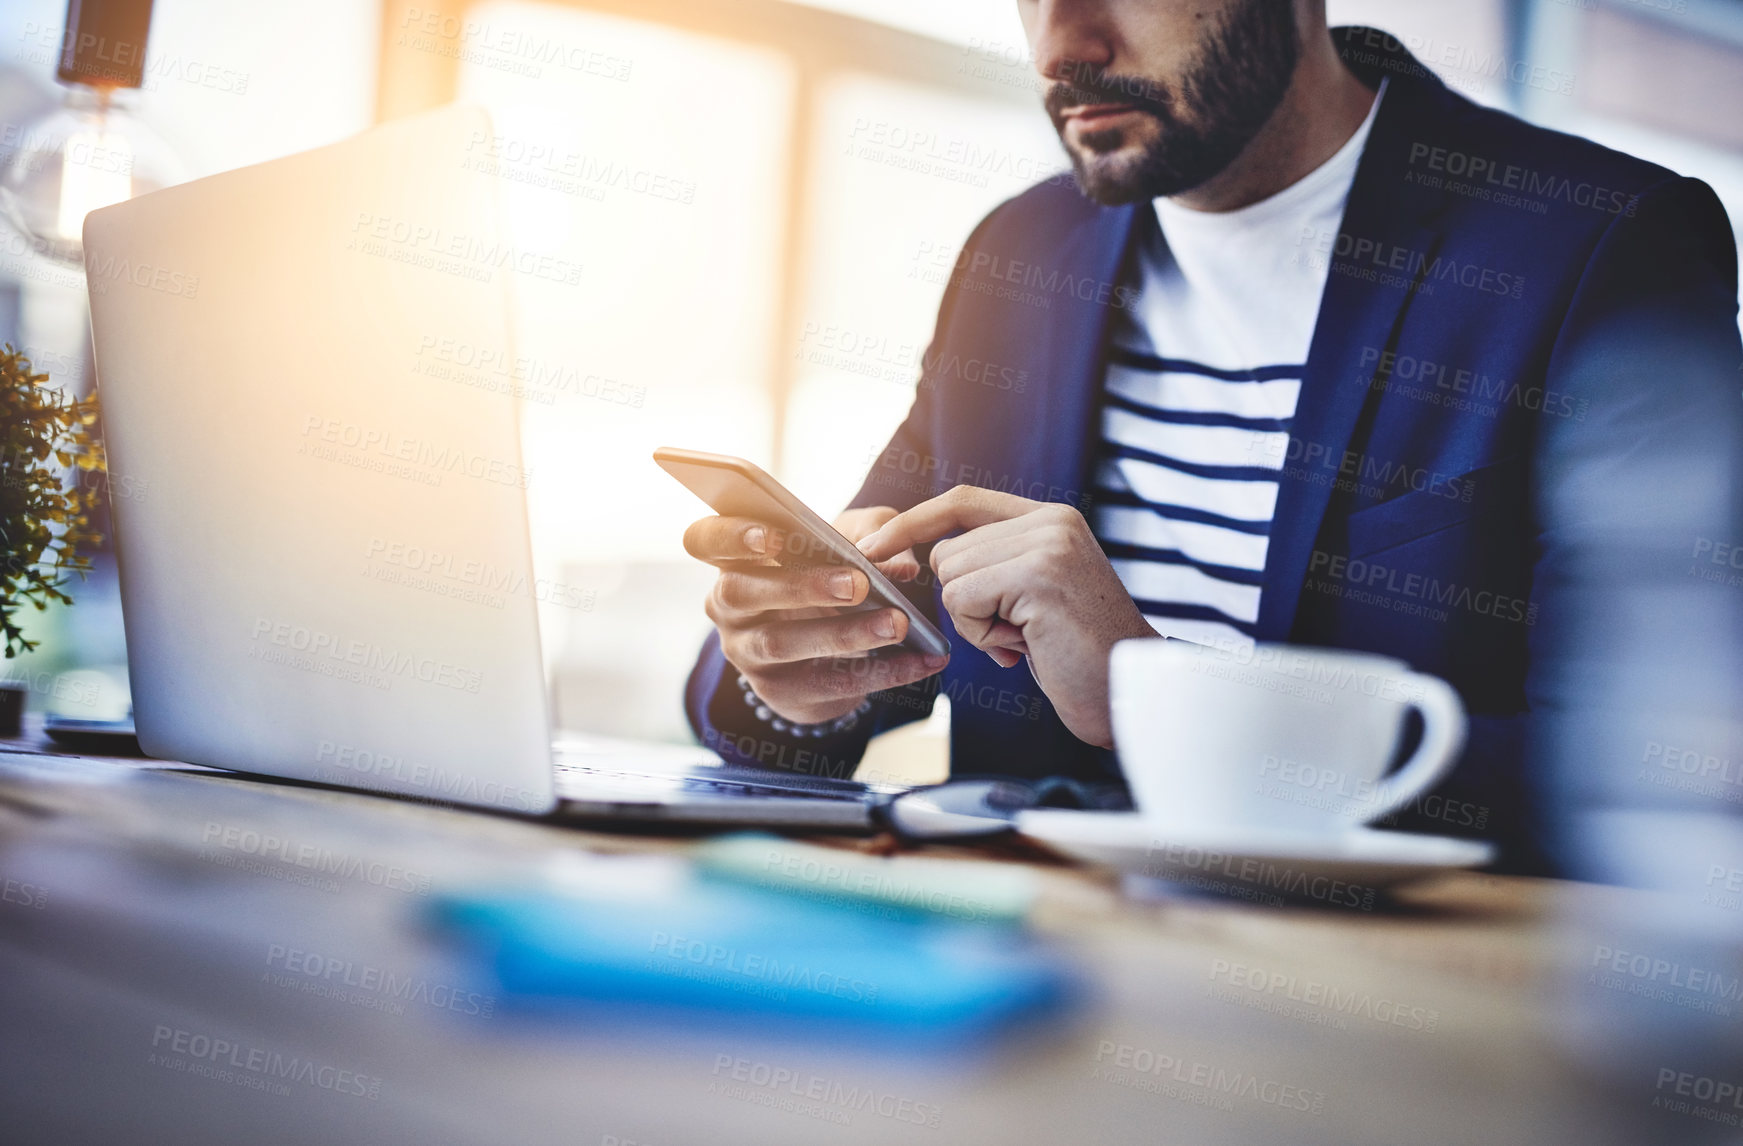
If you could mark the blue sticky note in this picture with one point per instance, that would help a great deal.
(746, 951)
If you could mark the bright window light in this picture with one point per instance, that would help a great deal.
(974, 22)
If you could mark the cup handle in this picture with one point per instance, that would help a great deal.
(1443, 738)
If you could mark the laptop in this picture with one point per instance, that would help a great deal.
(327, 574)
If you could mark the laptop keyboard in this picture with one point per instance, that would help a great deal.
(723, 780)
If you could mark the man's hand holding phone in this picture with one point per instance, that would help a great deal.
(784, 627)
(1022, 579)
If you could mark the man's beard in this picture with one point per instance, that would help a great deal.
(1229, 91)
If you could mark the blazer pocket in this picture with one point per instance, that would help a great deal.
(1420, 512)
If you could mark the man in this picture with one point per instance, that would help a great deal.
(1331, 356)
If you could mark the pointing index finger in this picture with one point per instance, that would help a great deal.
(963, 508)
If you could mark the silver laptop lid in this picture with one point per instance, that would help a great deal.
(327, 575)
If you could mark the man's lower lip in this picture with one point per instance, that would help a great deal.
(1090, 114)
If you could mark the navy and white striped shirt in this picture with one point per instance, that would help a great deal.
(1203, 375)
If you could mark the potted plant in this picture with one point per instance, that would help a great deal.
(50, 459)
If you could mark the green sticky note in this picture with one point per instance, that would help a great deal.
(955, 889)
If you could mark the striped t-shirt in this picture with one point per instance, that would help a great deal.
(1203, 374)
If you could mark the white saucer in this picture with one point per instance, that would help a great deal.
(1253, 864)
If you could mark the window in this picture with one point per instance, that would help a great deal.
(766, 199)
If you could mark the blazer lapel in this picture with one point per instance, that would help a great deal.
(1073, 351)
(1387, 237)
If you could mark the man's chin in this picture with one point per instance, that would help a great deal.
(1114, 179)
(1135, 172)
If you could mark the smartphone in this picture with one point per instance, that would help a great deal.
(734, 487)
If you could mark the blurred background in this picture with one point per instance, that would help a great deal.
(766, 197)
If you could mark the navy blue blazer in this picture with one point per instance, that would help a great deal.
(1518, 327)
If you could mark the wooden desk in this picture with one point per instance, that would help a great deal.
(122, 920)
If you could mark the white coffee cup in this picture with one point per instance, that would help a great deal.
(1276, 737)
